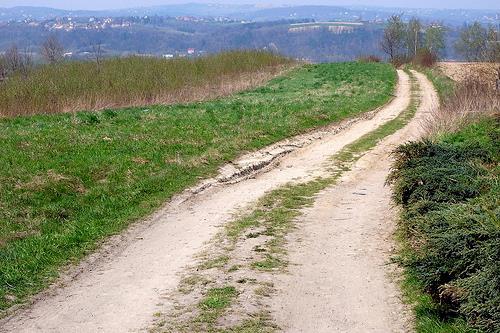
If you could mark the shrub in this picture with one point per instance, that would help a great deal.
(370, 58)
(437, 172)
(449, 191)
(400, 60)
(425, 58)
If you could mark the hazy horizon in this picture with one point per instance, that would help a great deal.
(119, 4)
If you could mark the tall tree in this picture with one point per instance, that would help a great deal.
(52, 50)
(473, 42)
(413, 36)
(493, 45)
(3, 68)
(434, 39)
(393, 40)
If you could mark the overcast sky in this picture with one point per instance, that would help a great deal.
(110, 4)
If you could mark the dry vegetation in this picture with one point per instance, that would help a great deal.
(134, 81)
(471, 100)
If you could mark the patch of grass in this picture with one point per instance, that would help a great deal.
(214, 304)
(429, 319)
(220, 261)
(188, 284)
(268, 264)
(68, 181)
(260, 323)
(450, 230)
(265, 290)
(443, 84)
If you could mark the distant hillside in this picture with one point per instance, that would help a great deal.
(160, 36)
(257, 13)
(193, 9)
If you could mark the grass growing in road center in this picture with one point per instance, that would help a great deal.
(68, 181)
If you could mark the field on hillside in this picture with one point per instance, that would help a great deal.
(134, 81)
(461, 71)
(68, 181)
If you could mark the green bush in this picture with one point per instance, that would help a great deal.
(438, 172)
(451, 218)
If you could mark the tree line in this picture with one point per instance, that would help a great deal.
(15, 60)
(406, 41)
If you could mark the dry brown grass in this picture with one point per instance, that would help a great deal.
(472, 99)
(224, 86)
(135, 81)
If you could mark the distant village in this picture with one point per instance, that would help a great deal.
(69, 24)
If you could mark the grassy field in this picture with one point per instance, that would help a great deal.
(68, 181)
(450, 231)
(133, 81)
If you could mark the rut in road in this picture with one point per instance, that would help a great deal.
(121, 289)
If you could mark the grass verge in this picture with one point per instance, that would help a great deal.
(442, 83)
(68, 181)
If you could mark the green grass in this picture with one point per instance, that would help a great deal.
(450, 229)
(214, 304)
(215, 263)
(68, 181)
(74, 86)
(428, 317)
(443, 84)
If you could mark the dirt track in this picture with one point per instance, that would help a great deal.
(339, 279)
(119, 289)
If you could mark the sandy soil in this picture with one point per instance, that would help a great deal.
(340, 276)
(119, 288)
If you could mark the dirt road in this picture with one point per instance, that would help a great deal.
(119, 289)
(340, 279)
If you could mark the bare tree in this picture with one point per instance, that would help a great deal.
(3, 69)
(493, 45)
(17, 61)
(13, 58)
(97, 54)
(393, 40)
(413, 36)
(52, 50)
